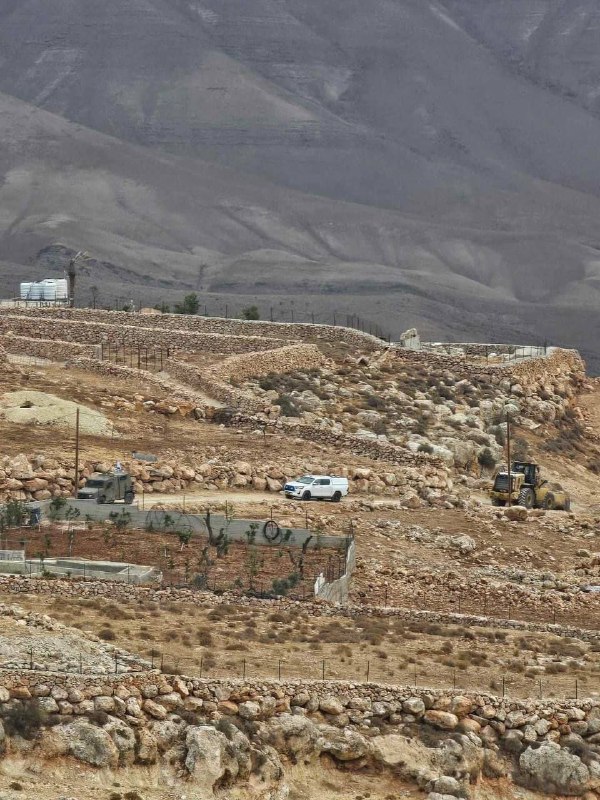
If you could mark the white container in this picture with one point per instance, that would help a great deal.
(49, 289)
(25, 289)
(36, 292)
(62, 289)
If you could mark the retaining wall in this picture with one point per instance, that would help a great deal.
(215, 325)
(121, 333)
(52, 349)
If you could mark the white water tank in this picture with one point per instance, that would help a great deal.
(48, 289)
(25, 289)
(36, 292)
(62, 289)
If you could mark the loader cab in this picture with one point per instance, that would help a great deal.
(529, 470)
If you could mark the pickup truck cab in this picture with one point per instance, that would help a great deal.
(317, 487)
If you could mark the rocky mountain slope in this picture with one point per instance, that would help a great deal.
(406, 159)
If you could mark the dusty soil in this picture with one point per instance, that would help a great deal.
(236, 640)
(241, 568)
(40, 408)
(20, 780)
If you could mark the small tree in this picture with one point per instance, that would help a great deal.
(251, 312)
(163, 307)
(189, 305)
(120, 520)
(184, 538)
(56, 508)
(254, 564)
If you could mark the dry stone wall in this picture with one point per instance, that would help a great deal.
(92, 332)
(215, 380)
(37, 477)
(216, 325)
(531, 372)
(52, 349)
(437, 740)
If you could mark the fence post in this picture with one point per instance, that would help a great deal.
(279, 670)
(244, 670)
(323, 672)
(116, 663)
(368, 670)
(503, 686)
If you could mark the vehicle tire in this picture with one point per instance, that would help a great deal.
(129, 497)
(337, 496)
(271, 530)
(526, 498)
(101, 499)
(567, 505)
(498, 502)
(549, 503)
(306, 496)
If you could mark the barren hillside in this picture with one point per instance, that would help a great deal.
(431, 164)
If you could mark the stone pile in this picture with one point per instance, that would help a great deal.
(37, 642)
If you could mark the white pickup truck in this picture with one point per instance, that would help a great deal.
(317, 487)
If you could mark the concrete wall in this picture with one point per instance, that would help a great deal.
(235, 529)
(338, 591)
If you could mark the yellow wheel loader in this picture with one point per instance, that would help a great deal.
(528, 489)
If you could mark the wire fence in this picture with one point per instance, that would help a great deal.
(304, 667)
(150, 359)
(378, 669)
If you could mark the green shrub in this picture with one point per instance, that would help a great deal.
(287, 405)
(24, 719)
(251, 312)
(486, 459)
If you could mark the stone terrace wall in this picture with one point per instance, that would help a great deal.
(216, 325)
(96, 332)
(214, 380)
(282, 360)
(52, 349)
(153, 695)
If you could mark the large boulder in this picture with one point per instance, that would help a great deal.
(91, 744)
(516, 513)
(294, 736)
(344, 744)
(123, 738)
(550, 768)
(209, 759)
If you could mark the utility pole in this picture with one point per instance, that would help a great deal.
(71, 275)
(508, 456)
(76, 453)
